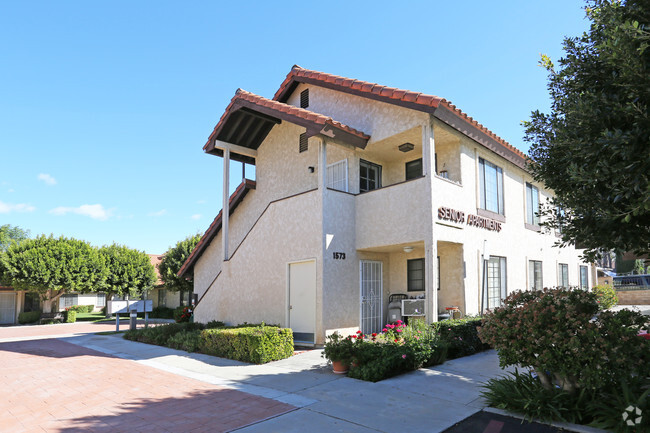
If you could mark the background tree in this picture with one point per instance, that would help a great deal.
(130, 271)
(10, 234)
(592, 148)
(172, 262)
(54, 266)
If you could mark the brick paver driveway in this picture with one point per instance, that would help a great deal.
(62, 329)
(54, 386)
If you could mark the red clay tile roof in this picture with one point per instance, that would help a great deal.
(155, 260)
(405, 98)
(314, 122)
(215, 227)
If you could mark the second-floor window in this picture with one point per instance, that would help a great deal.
(532, 204)
(490, 186)
(369, 176)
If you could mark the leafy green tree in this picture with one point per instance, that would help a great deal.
(592, 148)
(10, 234)
(173, 261)
(54, 266)
(130, 271)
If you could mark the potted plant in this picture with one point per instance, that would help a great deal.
(338, 350)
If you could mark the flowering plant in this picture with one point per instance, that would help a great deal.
(338, 348)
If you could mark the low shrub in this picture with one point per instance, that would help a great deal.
(255, 344)
(524, 393)
(606, 296)
(90, 308)
(461, 336)
(556, 332)
(398, 349)
(162, 313)
(70, 315)
(602, 408)
(160, 335)
(29, 317)
(185, 340)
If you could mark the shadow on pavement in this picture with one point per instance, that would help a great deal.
(485, 422)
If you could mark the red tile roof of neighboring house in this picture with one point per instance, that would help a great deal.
(406, 98)
(155, 260)
(314, 122)
(215, 227)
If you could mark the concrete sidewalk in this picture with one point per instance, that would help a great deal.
(427, 400)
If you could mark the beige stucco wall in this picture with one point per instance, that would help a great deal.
(392, 215)
(515, 242)
(253, 284)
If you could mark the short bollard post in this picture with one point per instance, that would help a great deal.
(117, 322)
(134, 318)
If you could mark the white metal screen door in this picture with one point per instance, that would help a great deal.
(371, 294)
(7, 307)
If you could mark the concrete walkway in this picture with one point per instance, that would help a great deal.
(427, 400)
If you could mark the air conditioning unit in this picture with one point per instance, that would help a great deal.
(413, 307)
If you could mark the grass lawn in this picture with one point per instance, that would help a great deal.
(91, 317)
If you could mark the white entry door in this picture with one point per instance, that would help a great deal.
(302, 300)
(371, 296)
(7, 308)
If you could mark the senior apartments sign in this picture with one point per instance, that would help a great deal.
(456, 216)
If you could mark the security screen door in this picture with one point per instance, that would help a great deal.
(302, 300)
(371, 294)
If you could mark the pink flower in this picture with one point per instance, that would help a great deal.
(384, 330)
(399, 330)
(404, 356)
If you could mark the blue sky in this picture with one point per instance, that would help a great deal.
(105, 106)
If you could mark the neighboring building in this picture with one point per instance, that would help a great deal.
(160, 296)
(363, 191)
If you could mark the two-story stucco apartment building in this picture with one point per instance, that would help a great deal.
(363, 191)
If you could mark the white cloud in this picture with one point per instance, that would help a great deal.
(49, 180)
(18, 207)
(161, 212)
(196, 216)
(94, 211)
(11, 190)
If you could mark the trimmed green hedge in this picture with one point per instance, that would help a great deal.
(29, 317)
(258, 345)
(70, 316)
(248, 342)
(461, 335)
(162, 313)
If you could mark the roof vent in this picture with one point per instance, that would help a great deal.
(406, 147)
(304, 98)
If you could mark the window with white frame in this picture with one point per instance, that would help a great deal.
(584, 278)
(563, 275)
(101, 299)
(496, 281)
(532, 204)
(490, 186)
(535, 275)
(337, 175)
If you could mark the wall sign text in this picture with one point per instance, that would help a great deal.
(456, 216)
